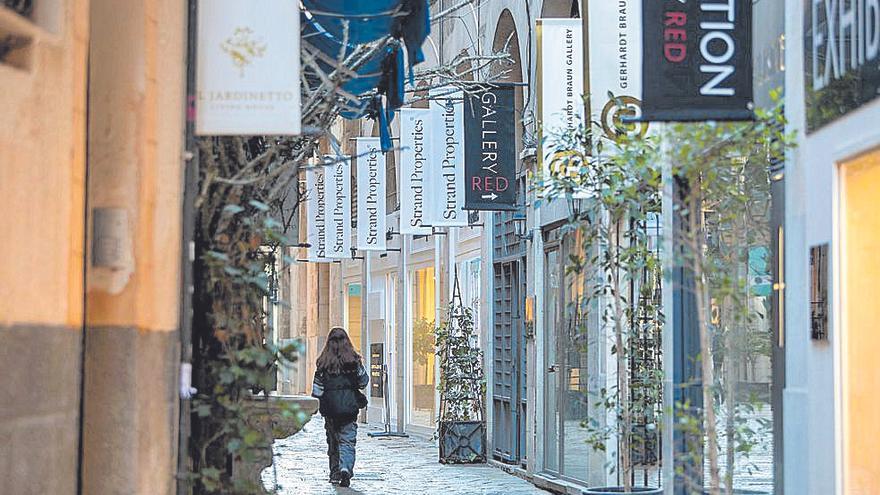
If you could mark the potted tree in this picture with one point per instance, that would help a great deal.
(613, 271)
(461, 425)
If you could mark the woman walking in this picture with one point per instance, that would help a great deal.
(339, 376)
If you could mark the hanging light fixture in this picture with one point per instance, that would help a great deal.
(520, 225)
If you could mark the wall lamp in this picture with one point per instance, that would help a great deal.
(520, 226)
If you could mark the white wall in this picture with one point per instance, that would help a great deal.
(810, 398)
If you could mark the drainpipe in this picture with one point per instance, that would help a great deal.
(191, 183)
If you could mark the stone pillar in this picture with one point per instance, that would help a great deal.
(136, 123)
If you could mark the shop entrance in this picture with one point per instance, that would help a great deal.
(508, 391)
(860, 341)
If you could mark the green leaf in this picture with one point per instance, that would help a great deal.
(232, 209)
(259, 205)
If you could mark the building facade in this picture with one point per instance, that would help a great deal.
(832, 186)
(808, 271)
(91, 181)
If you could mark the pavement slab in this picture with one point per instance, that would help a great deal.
(384, 466)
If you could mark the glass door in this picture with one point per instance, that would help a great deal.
(552, 376)
(391, 362)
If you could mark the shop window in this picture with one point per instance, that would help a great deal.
(353, 305)
(422, 375)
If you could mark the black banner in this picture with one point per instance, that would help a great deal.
(490, 149)
(841, 58)
(697, 62)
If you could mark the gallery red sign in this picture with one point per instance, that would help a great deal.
(490, 149)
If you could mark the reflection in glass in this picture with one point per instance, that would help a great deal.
(551, 384)
(353, 314)
(738, 238)
(423, 382)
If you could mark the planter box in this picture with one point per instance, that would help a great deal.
(462, 442)
(274, 425)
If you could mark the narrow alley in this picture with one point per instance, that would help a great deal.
(385, 466)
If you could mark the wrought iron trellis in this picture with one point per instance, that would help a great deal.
(462, 410)
(645, 358)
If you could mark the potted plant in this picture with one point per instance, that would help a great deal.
(613, 271)
(461, 424)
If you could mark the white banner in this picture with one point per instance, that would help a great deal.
(316, 214)
(248, 68)
(560, 82)
(446, 173)
(371, 194)
(339, 208)
(616, 66)
(415, 153)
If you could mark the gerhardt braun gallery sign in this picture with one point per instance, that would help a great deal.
(699, 57)
(490, 149)
(316, 213)
(338, 180)
(415, 154)
(371, 194)
(560, 85)
(841, 57)
(446, 181)
(616, 28)
(248, 68)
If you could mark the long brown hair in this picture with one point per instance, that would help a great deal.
(339, 354)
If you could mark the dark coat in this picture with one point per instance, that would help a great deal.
(340, 394)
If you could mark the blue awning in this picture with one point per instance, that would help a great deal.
(323, 29)
(368, 20)
(329, 50)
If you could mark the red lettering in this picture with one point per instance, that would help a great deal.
(501, 184)
(676, 18)
(675, 52)
(475, 184)
(673, 34)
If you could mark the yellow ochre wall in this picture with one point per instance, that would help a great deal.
(42, 187)
(860, 335)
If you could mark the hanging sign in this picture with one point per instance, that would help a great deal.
(616, 68)
(339, 207)
(371, 194)
(248, 68)
(316, 214)
(490, 149)
(446, 181)
(699, 55)
(415, 153)
(841, 57)
(560, 84)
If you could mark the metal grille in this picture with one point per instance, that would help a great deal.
(646, 360)
(505, 242)
(508, 390)
(23, 7)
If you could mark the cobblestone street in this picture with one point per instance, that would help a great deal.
(385, 466)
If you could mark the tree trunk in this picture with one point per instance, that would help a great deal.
(625, 453)
(708, 373)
